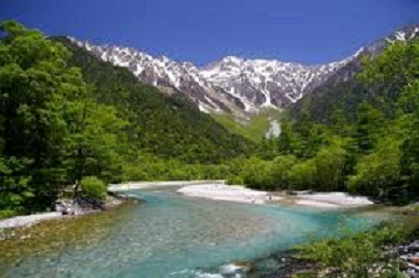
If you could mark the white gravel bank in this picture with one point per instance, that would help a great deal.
(227, 193)
(332, 199)
(157, 184)
(27, 220)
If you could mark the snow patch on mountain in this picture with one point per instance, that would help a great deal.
(233, 85)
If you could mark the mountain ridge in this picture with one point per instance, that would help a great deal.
(343, 90)
(164, 125)
(231, 85)
(234, 85)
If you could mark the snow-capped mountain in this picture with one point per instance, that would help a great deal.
(266, 83)
(233, 84)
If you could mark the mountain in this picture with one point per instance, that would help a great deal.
(342, 90)
(232, 85)
(243, 87)
(166, 125)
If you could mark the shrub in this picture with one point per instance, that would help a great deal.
(280, 170)
(330, 163)
(237, 180)
(356, 253)
(92, 187)
(7, 213)
(257, 174)
(377, 172)
(303, 175)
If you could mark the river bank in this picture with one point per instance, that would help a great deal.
(208, 189)
(226, 233)
(66, 208)
(380, 252)
(171, 235)
(222, 192)
(128, 186)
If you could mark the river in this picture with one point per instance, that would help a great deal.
(169, 236)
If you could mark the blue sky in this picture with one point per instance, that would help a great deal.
(201, 31)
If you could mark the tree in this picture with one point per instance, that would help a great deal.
(257, 174)
(395, 68)
(340, 124)
(369, 127)
(280, 171)
(303, 175)
(310, 136)
(286, 140)
(378, 173)
(410, 147)
(36, 88)
(95, 143)
(330, 165)
(15, 189)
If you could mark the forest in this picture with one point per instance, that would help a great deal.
(68, 119)
(368, 146)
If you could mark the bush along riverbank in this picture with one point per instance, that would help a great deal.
(390, 251)
(88, 198)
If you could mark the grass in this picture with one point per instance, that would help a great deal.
(255, 129)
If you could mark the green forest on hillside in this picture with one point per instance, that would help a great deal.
(67, 118)
(373, 150)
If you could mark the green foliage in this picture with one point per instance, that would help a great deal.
(355, 253)
(310, 137)
(325, 171)
(255, 129)
(287, 140)
(257, 174)
(330, 164)
(165, 125)
(92, 187)
(236, 180)
(66, 115)
(280, 170)
(15, 185)
(149, 168)
(382, 79)
(96, 141)
(369, 127)
(37, 89)
(369, 143)
(378, 172)
(303, 175)
(7, 213)
(396, 67)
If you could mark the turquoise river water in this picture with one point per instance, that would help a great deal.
(169, 236)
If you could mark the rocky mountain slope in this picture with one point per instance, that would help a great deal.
(232, 85)
(342, 90)
(235, 85)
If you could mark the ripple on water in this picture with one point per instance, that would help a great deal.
(171, 236)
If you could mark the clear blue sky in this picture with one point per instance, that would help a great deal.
(201, 31)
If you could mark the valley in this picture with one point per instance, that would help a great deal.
(320, 162)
